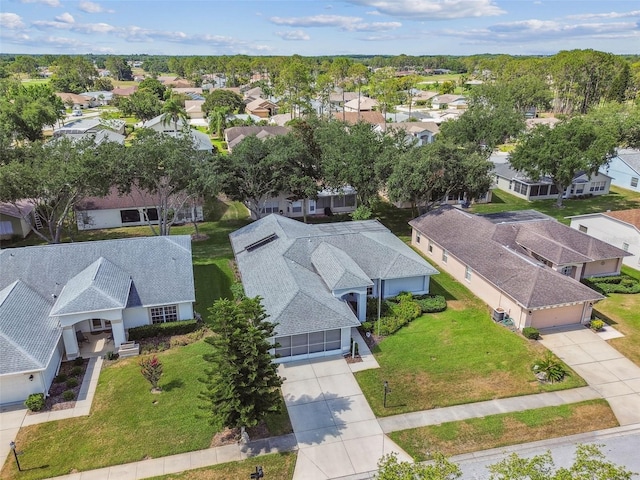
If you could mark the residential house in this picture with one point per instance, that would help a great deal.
(520, 185)
(281, 119)
(315, 279)
(77, 102)
(234, 135)
(443, 102)
(524, 264)
(261, 108)
(328, 202)
(159, 124)
(620, 228)
(624, 169)
(16, 220)
(49, 293)
(362, 104)
(124, 91)
(374, 118)
(135, 209)
(419, 97)
(194, 108)
(187, 90)
(338, 99)
(102, 97)
(89, 126)
(417, 133)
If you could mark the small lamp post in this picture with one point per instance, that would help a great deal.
(258, 473)
(386, 391)
(15, 454)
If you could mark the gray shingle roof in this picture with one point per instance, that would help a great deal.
(160, 267)
(296, 272)
(100, 286)
(631, 157)
(28, 336)
(492, 252)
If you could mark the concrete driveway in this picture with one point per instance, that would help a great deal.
(337, 433)
(605, 369)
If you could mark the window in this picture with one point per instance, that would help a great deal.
(270, 207)
(535, 191)
(554, 190)
(168, 313)
(634, 181)
(349, 200)
(417, 237)
(597, 186)
(129, 216)
(296, 207)
(566, 270)
(338, 201)
(445, 256)
(323, 202)
(467, 274)
(582, 228)
(307, 343)
(430, 247)
(625, 246)
(151, 214)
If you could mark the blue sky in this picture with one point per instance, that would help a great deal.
(317, 27)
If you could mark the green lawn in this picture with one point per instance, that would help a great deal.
(618, 199)
(277, 466)
(622, 312)
(454, 357)
(455, 438)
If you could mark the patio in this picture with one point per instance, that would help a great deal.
(97, 344)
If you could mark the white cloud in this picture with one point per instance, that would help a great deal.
(589, 16)
(92, 7)
(350, 24)
(293, 35)
(65, 18)
(11, 21)
(51, 3)
(433, 9)
(65, 23)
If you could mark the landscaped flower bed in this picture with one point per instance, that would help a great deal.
(69, 379)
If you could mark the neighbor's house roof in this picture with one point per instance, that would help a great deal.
(447, 98)
(259, 104)
(136, 199)
(631, 157)
(28, 335)
(235, 135)
(366, 104)
(74, 97)
(372, 117)
(505, 170)
(21, 209)
(337, 96)
(294, 267)
(415, 127)
(159, 267)
(497, 252)
(124, 91)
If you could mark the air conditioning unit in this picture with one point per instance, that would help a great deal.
(498, 314)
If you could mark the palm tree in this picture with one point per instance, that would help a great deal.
(172, 111)
(218, 121)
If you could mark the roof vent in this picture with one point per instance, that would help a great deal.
(261, 242)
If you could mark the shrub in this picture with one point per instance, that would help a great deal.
(596, 324)
(406, 310)
(68, 395)
(551, 367)
(78, 362)
(60, 378)
(112, 355)
(75, 371)
(237, 290)
(187, 339)
(35, 402)
(367, 326)
(151, 369)
(614, 284)
(432, 303)
(72, 382)
(361, 213)
(161, 329)
(531, 333)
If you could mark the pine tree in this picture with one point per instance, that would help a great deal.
(242, 385)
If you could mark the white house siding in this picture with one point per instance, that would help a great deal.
(294, 209)
(16, 388)
(111, 218)
(135, 317)
(13, 226)
(602, 268)
(415, 285)
(54, 364)
(598, 184)
(623, 175)
(612, 231)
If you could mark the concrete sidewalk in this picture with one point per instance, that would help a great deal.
(611, 374)
(482, 409)
(187, 461)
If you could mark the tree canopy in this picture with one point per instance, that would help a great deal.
(223, 98)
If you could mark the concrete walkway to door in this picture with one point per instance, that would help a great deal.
(610, 373)
(337, 433)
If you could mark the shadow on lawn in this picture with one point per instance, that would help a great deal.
(176, 383)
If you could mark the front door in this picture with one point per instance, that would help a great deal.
(99, 324)
(311, 207)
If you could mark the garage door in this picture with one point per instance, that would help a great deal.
(308, 343)
(555, 317)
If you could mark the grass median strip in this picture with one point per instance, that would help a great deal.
(455, 438)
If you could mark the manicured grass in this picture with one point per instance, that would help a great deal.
(277, 466)
(495, 431)
(622, 311)
(618, 199)
(125, 424)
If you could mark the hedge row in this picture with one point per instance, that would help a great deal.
(614, 284)
(397, 311)
(180, 327)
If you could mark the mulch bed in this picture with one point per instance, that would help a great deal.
(56, 401)
(231, 436)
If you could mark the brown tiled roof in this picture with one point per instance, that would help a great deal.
(480, 244)
(631, 217)
(374, 118)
